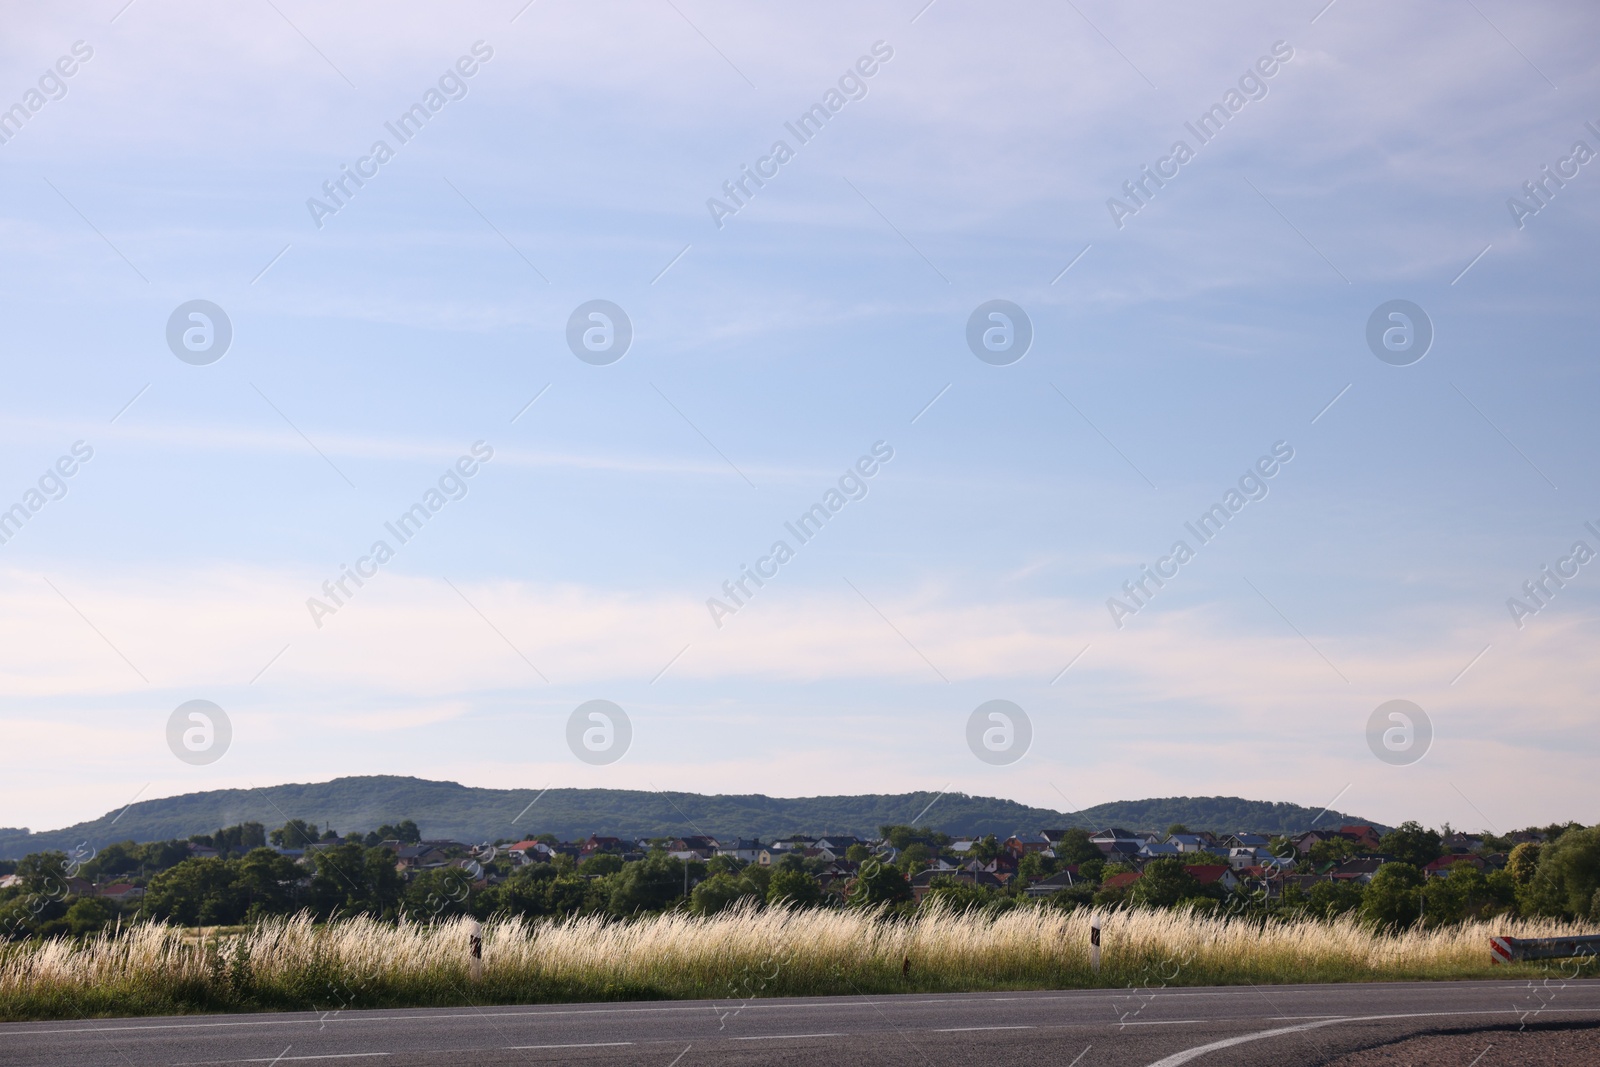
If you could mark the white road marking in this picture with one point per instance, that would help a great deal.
(1195, 1053)
(966, 1029)
(579, 1044)
(781, 1037)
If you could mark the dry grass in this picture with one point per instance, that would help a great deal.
(293, 964)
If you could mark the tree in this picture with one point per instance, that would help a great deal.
(1333, 850)
(1523, 862)
(438, 893)
(881, 885)
(1165, 883)
(957, 894)
(1412, 844)
(352, 880)
(265, 880)
(296, 833)
(1031, 866)
(722, 891)
(1177, 828)
(602, 863)
(857, 853)
(1568, 875)
(1331, 898)
(87, 915)
(986, 848)
(1075, 847)
(654, 883)
(794, 888)
(1394, 896)
(197, 892)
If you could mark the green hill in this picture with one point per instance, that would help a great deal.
(449, 810)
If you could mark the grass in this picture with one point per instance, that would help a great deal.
(293, 964)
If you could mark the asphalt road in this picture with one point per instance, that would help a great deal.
(1081, 1028)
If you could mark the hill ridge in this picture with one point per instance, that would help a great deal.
(471, 813)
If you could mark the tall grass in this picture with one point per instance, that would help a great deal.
(294, 964)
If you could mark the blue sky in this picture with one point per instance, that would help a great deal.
(770, 353)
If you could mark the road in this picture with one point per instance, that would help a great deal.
(1076, 1028)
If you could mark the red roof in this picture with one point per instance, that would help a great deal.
(1206, 873)
(522, 845)
(1121, 881)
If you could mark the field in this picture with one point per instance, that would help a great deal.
(293, 964)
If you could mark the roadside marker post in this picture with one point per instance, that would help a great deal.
(1094, 944)
(475, 946)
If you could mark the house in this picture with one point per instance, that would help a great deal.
(839, 843)
(524, 852)
(1357, 869)
(771, 855)
(1460, 842)
(1124, 849)
(1214, 874)
(122, 892)
(1121, 881)
(1361, 834)
(1240, 858)
(1243, 840)
(1045, 887)
(202, 852)
(1156, 851)
(706, 847)
(1114, 834)
(10, 881)
(1191, 842)
(795, 841)
(1440, 867)
(743, 849)
(596, 843)
(1020, 845)
(1303, 843)
(418, 858)
(922, 882)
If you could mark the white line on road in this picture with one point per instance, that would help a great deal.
(1194, 1053)
(966, 1029)
(781, 1037)
(579, 1044)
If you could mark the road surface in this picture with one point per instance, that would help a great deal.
(1234, 1025)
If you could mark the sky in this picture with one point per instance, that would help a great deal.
(1185, 335)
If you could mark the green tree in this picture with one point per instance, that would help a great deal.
(958, 894)
(881, 885)
(352, 880)
(794, 888)
(296, 833)
(197, 892)
(265, 880)
(601, 863)
(857, 853)
(1177, 828)
(985, 848)
(1568, 875)
(1412, 844)
(722, 891)
(1332, 898)
(87, 916)
(1394, 896)
(1333, 850)
(439, 893)
(1075, 847)
(652, 884)
(1523, 862)
(1165, 883)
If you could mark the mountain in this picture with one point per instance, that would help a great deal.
(450, 810)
